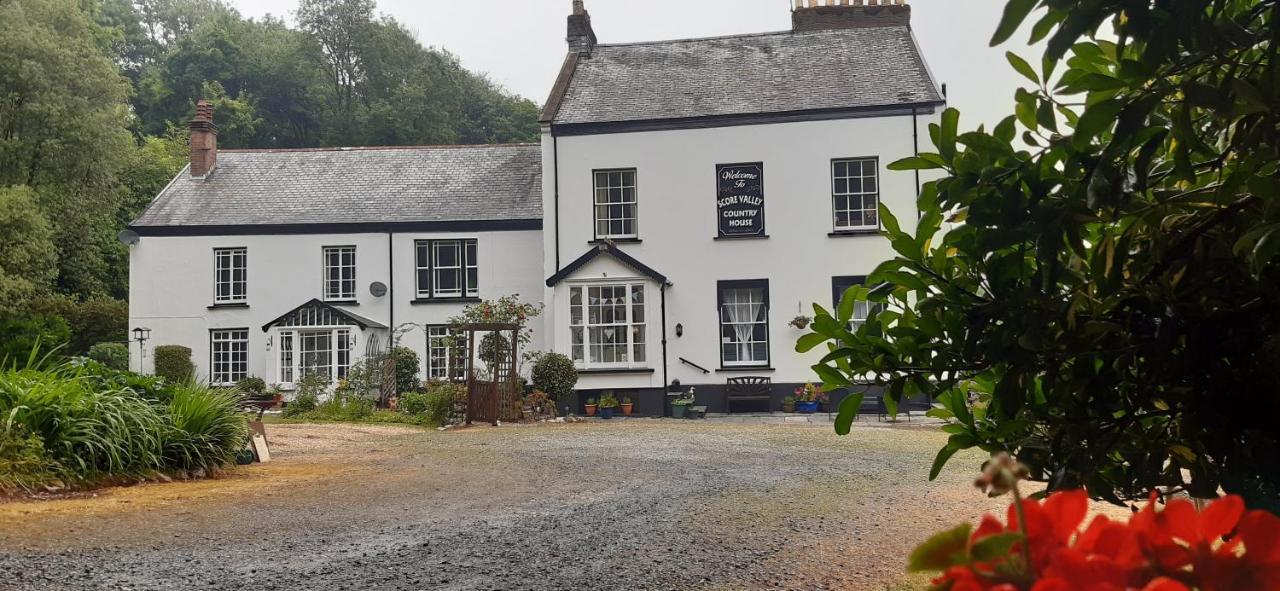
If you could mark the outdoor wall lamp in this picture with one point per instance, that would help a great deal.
(679, 329)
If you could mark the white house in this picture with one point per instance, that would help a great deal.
(689, 198)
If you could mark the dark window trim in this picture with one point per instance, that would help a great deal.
(763, 217)
(596, 237)
(615, 241)
(340, 228)
(437, 301)
(619, 370)
(831, 176)
(746, 369)
(711, 121)
(732, 238)
(431, 271)
(230, 306)
(847, 281)
(721, 286)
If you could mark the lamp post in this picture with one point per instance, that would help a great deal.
(141, 335)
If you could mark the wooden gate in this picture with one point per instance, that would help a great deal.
(494, 396)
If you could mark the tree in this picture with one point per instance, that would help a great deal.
(1106, 301)
(28, 260)
(343, 29)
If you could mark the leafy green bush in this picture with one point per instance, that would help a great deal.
(92, 428)
(112, 355)
(91, 321)
(173, 363)
(413, 403)
(408, 366)
(26, 332)
(252, 386)
(555, 374)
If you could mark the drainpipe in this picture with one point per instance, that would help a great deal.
(915, 147)
(555, 154)
(663, 296)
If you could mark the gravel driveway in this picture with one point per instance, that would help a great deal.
(639, 504)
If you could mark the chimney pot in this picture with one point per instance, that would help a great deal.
(204, 140)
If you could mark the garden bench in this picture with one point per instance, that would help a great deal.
(748, 389)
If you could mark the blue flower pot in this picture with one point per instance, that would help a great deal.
(807, 407)
(606, 413)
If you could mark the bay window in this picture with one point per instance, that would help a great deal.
(323, 352)
(607, 325)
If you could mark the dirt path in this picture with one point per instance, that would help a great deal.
(627, 505)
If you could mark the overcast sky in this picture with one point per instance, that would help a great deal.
(520, 43)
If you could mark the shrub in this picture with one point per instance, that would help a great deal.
(25, 332)
(91, 428)
(112, 355)
(252, 386)
(173, 363)
(555, 374)
(206, 427)
(408, 366)
(95, 320)
(413, 403)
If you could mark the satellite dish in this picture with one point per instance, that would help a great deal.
(378, 289)
(127, 237)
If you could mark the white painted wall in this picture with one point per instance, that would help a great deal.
(171, 286)
(677, 225)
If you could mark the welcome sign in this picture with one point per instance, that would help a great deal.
(740, 199)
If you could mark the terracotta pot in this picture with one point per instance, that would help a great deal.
(626, 409)
(591, 409)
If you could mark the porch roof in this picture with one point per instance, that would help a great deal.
(320, 313)
(611, 249)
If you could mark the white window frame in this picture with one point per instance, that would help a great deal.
(635, 329)
(337, 289)
(454, 363)
(737, 288)
(289, 354)
(228, 356)
(862, 310)
(231, 260)
(601, 202)
(467, 268)
(862, 194)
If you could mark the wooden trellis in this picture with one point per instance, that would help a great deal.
(499, 398)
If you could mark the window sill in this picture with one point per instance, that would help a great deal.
(429, 301)
(746, 369)
(342, 302)
(230, 306)
(861, 232)
(615, 240)
(756, 237)
(619, 370)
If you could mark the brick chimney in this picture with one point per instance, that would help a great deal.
(821, 15)
(582, 39)
(204, 141)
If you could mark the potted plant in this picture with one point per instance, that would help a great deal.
(608, 404)
(801, 322)
(807, 398)
(789, 404)
(590, 406)
(627, 406)
(680, 405)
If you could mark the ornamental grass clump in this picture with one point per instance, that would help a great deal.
(71, 426)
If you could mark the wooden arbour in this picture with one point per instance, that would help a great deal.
(498, 398)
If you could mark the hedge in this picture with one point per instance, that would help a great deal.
(173, 363)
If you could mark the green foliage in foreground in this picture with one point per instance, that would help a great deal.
(1107, 305)
(79, 424)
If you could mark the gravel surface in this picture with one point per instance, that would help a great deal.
(637, 504)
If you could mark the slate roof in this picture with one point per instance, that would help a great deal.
(356, 186)
(746, 74)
